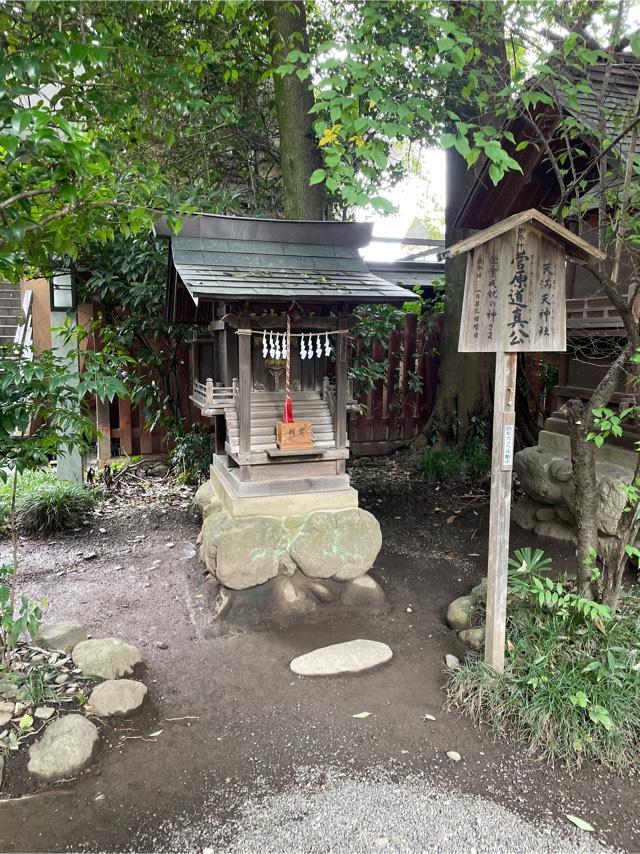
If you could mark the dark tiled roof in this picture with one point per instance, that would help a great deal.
(240, 269)
(408, 274)
(617, 100)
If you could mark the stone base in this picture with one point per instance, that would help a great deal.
(278, 558)
(545, 475)
(283, 601)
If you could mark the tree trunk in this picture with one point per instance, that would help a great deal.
(464, 379)
(299, 151)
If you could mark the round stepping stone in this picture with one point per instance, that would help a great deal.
(118, 697)
(350, 657)
(62, 636)
(65, 748)
(108, 658)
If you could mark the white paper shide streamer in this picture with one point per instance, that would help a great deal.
(276, 346)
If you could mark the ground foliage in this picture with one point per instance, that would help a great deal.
(469, 462)
(571, 686)
(54, 506)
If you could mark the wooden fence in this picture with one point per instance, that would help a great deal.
(395, 410)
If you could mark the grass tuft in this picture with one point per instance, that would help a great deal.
(468, 461)
(53, 506)
(570, 690)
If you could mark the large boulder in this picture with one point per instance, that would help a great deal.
(117, 697)
(205, 494)
(341, 545)
(546, 478)
(65, 748)
(524, 512)
(61, 636)
(473, 638)
(459, 612)
(250, 552)
(214, 526)
(363, 593)
(108, 658)
(532, 467)
(291, 598)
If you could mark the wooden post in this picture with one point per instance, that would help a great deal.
(501, 470)
(126, 436)
(103, 418)
(244, 407)
(340, 414)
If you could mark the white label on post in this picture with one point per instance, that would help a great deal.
(507, 446)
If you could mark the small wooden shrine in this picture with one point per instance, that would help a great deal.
(272, 302)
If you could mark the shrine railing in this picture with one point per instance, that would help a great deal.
(592, 313)
(208, 396)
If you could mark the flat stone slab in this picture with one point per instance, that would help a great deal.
(65, 748)
(118, 697)
(351, 657)
(108, 658)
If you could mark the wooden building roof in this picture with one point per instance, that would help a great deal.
(536, 185)
(236, 259)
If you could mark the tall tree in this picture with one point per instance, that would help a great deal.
(462, 406)
(300, 156)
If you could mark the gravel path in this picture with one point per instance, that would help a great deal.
(330, 812)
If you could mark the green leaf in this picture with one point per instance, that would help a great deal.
(634, 44)
(361, 715)
(462, 146)
(317, 177)
(495, 173)
(20, 120)
(581, 823)
(26, 721)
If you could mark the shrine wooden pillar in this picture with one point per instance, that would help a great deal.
(340, 412)
(244, 387)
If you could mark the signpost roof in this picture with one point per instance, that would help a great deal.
(574, 245)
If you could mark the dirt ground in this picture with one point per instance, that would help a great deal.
(241, 721)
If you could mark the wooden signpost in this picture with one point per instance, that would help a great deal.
(514, 302)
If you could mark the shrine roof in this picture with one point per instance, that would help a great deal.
(259, 260)
(574, 245)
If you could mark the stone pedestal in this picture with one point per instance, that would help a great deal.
(545, 476)
(278, 558)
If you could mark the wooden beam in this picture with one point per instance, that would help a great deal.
(340, 414)
(277, 321)
(501, 472)
(244, 404)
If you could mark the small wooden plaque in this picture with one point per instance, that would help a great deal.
(515, 295)
(294, 435)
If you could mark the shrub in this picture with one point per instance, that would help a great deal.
(571, 686)
(465, 462)
(27, 481)
(53, 506)
(190, 457)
